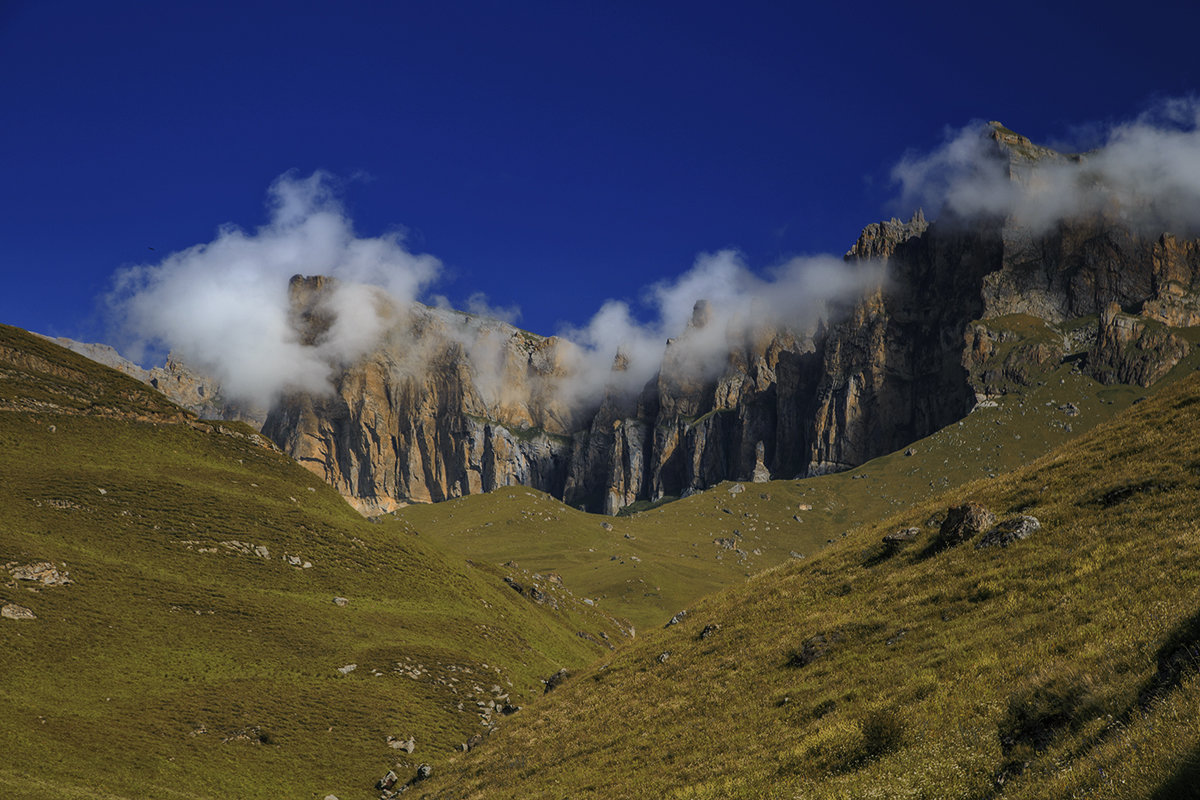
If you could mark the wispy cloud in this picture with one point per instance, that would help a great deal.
(223, 306)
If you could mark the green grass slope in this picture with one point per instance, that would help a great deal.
(646, 566)
(1063, 665)
(197, 651)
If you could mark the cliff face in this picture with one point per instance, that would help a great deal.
(965, 310)
(415, 420)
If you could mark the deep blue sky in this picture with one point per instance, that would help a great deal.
(552, 154)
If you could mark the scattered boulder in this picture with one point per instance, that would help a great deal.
(508, 709)
(423, 773)
(708, 631)
(606, 525)
(341, 601)
(407, 745)
(1009, 531)
(912, 451)
(737, 488)
(42, 572)
(964, 522)
(346, 670)
(1070, 409)
(556, 680)
(14, 611)
(387, 781)
(663, 657)
(897, 539)
(675, 620)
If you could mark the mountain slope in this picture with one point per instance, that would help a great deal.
(1061, 665)
(170, 627)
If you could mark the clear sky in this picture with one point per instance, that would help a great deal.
(551, 155)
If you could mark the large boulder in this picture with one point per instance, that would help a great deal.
(964, 522)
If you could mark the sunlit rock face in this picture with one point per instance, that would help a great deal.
(451, 404)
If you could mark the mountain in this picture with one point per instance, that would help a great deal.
(967, 310)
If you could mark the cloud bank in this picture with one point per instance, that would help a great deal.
(223, 307)
(737, 305)
(1146, 173)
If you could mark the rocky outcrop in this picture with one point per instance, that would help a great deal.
(1008, 353)
(417, 420)
(1133, 350)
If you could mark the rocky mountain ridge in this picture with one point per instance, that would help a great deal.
(905, 359)
(452, 404)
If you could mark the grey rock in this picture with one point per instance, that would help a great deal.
(964, 522)
(675, 620)
(42, 572)
(14, 611)
(1009, 531)
(556, 680)
(903, 536)
(341, 601)
(387, 781)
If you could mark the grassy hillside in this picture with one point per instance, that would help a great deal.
(197, 651)
(1062, 665)
(647, 566)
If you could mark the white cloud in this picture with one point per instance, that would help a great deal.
(738, 305)
(223, 306)
(1146, 172)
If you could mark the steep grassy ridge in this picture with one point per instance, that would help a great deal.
(1062, 665)
(197, 651)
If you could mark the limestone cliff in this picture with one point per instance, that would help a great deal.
(453, 404)
(417, 420)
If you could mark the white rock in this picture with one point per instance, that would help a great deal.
(14, 611)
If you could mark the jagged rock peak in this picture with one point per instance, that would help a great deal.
(880, 239)
(1020, 153)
